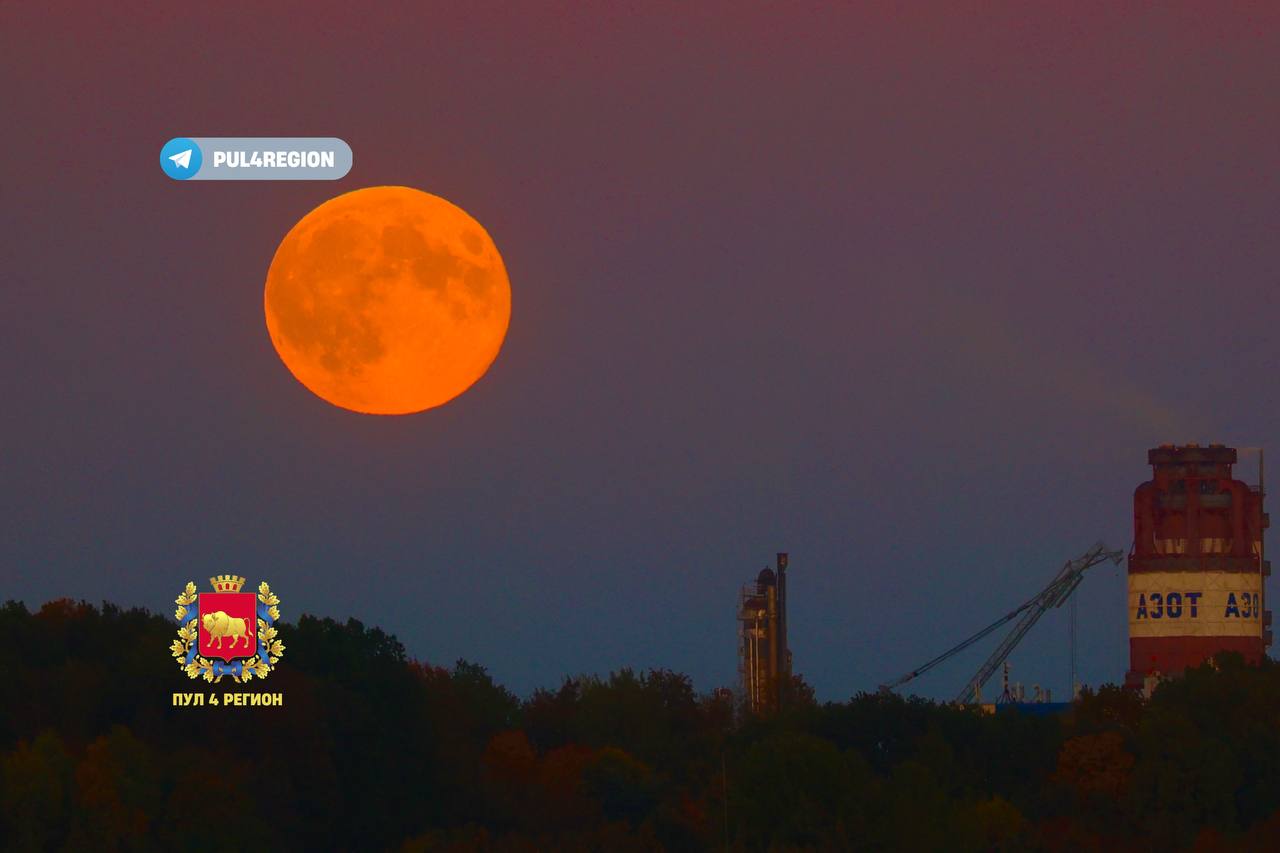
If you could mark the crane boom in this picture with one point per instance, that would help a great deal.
(1055, 594)
(956, 649)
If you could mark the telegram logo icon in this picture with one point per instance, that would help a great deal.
(180, 158)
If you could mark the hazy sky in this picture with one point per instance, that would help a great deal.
(906, 295)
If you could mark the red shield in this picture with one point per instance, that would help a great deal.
(228, 625)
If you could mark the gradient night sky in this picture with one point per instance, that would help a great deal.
(907, 295)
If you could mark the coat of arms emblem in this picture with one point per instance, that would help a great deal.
(227, 632)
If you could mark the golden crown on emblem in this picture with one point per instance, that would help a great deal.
(226, 583)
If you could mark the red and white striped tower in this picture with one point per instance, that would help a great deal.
(1197, 569)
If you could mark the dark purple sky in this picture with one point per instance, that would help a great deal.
(908, 296)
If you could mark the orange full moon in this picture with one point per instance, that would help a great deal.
(387, 301)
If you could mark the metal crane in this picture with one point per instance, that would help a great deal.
(1055, 594)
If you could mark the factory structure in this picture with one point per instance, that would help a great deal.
(1197, 568)
(1196, 587)
(764, 659)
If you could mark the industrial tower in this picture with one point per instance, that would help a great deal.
(764, 657)
(1197, 569)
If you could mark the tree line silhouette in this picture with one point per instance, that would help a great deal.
(372, 750)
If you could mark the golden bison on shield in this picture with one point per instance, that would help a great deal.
(227, 632)
(226, 625)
